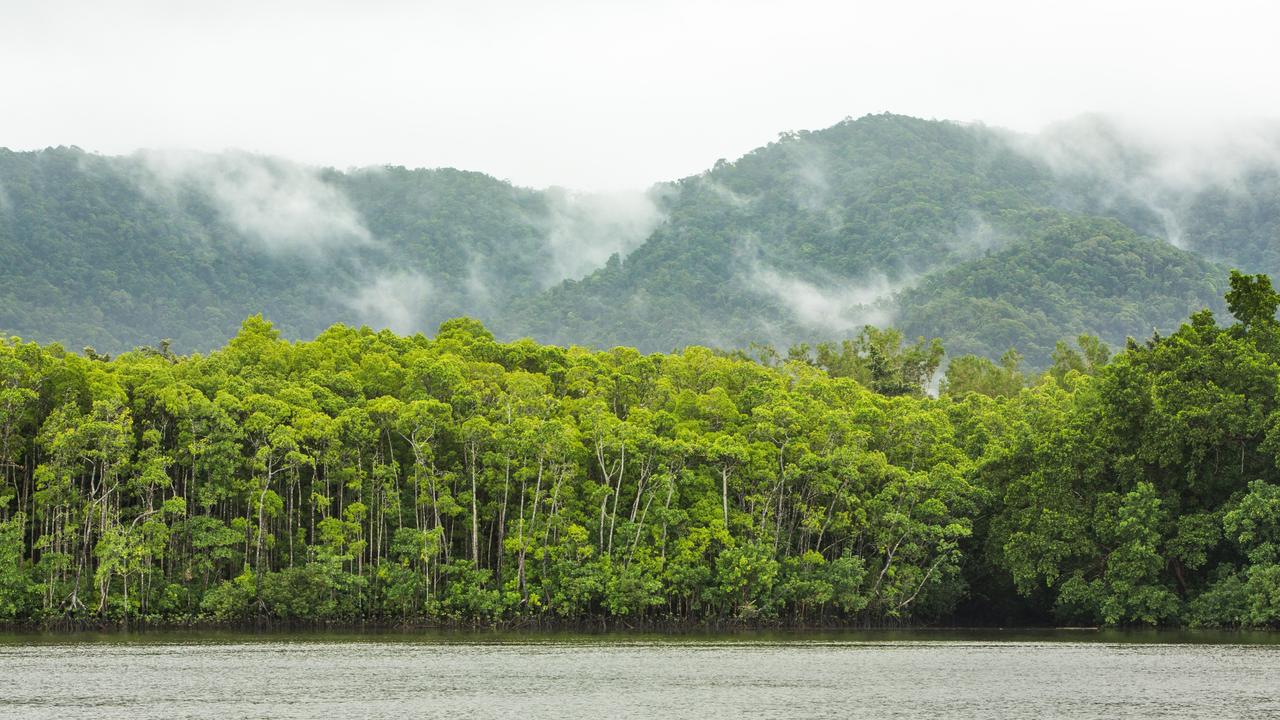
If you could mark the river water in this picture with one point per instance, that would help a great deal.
(846, 675)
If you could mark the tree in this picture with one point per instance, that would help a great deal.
(1252, 300)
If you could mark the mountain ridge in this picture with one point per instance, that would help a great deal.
(806, 238)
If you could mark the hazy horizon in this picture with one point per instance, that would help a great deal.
(1187, 148)
(600, 98)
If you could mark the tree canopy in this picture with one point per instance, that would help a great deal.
(369, 476)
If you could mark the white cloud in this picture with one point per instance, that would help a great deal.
(833, 306)
(976, 237)
(396, 301)
(1175, 154)
(584, 229)
(284, 206)
(1161, 166)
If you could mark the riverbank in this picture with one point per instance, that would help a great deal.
(744, 635)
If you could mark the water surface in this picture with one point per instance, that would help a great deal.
(844, 675)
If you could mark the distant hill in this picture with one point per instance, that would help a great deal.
(1063, 276)
(960, 232)
(984, 238)
(119, 251)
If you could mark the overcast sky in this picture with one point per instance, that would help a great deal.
(602, 95)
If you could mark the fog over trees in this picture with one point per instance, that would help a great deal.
(988, 239)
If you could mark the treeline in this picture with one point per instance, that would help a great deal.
(365, 476)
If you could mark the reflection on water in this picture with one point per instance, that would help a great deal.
(492, 675)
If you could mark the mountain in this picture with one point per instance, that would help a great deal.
(1064, 277)
(959, 232)
(985, 238)
(114, 252)
(1213, 194)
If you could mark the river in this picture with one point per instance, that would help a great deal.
(1061, 674)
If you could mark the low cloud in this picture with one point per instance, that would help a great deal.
(1179, 156)
(810, 184)
(725, 194)
(975, 237)
(1161, 168)
(479, 285)
(280, 205)
(397, 301)
(584, 230)
(831, 306)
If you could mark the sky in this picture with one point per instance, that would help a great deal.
(604, 95)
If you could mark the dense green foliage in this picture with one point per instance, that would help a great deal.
(374, 476)
(1146, 494)
(1219, 200)
(370, 476)
(946, 230)
(115, 252)
(940, 229)
(90, 257)
(881, 195)
(1239, 225)
(1070, 276)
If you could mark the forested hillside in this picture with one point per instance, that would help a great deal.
(1217, 196)
(91, 258)
(986, 239)
(117, 252)
(1064, 277)
(806, 238)
(370, 476)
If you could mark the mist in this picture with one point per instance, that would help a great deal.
(559, 88)
(395, 300)
(1169, 153)
(975, 237)
(832, 306)
(584, 229)
(1160, 166)
(282, 206)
